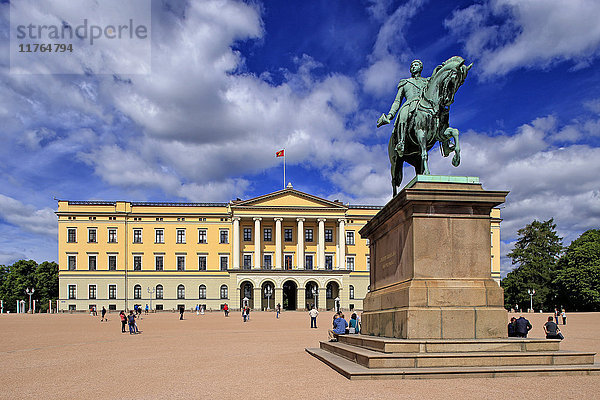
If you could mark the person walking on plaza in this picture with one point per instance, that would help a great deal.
(339, 327)
(226, 310)
(522, 326)
(131, 322)
(564, 317)
(556, 314)
(181, 310)
(245, 313)
(278, 310)
(147, 308)
(552, 331)
(313, 317)
(103, 314)
(123, 321)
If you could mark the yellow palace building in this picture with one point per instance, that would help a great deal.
(287, 247)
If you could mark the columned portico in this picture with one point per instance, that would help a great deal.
(257, 259)
(278, 249)
(300, 246)
(321, 244)
(236, 242)
(341, 262)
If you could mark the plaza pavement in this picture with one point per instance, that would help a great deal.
(75, 356)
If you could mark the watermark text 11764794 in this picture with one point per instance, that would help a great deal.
(80, 37)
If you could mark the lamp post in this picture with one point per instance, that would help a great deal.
(531, 293)
(30, 292)
(151, 291)
(268, 293)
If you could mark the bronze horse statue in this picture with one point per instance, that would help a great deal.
(425, 120)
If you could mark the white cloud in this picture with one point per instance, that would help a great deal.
(531, 34)
(390, 48)
(27, 217)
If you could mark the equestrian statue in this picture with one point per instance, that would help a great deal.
(423, 119)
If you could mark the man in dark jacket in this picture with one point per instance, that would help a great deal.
(522, 327)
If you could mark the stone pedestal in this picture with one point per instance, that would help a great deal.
(430, 263)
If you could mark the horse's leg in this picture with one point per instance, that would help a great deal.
(456, 158)
(422, 140)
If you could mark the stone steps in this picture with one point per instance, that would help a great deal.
(352, 370)
(376, 359)
(393, 345)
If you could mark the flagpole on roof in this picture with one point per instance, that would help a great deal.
(284, 167)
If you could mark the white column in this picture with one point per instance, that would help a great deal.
(342, 244)
(321, 243)
(300, 249)
(257, 260)
(278, 262)
(236, 242)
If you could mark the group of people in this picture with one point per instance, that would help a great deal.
(342, 327)
(520, 327)
(246, 313)
(562, 314)
(131, 321)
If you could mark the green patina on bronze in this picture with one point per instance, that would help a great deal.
(423, 119)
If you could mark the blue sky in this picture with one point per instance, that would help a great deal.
(233, 82)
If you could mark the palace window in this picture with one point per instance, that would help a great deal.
(224, 292)
(180, 235)
(92, 263)
(351, 292)
(72, 263)
(92, 292)
(159, 262)
(137, 292)
(112, 263)
(202, 292)
(137, 236)
(308, 261)
(308, 235)
(328, 261)
(288, 260)
(201, 263)
(112, 236)
(368, 263)
(247, 234)
(350, 263)
(72, 292)
(247, 261)
(268, 235)
(159, 236)
(137, 263)
(180, 263)
(202, 236)
(329, 235)
(159, 292)
(180, 292)
(267, 261)
(224, 262)
(224, 236)
(92, 235)
(350, 237)
(112, 292)
(71, 235)
(288, 235)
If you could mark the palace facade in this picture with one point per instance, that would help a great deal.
(287, 247)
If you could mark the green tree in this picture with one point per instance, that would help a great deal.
(46, 284)
(578, 273)
(535, 254)
(20, 276)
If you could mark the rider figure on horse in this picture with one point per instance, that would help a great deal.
(409, 89)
